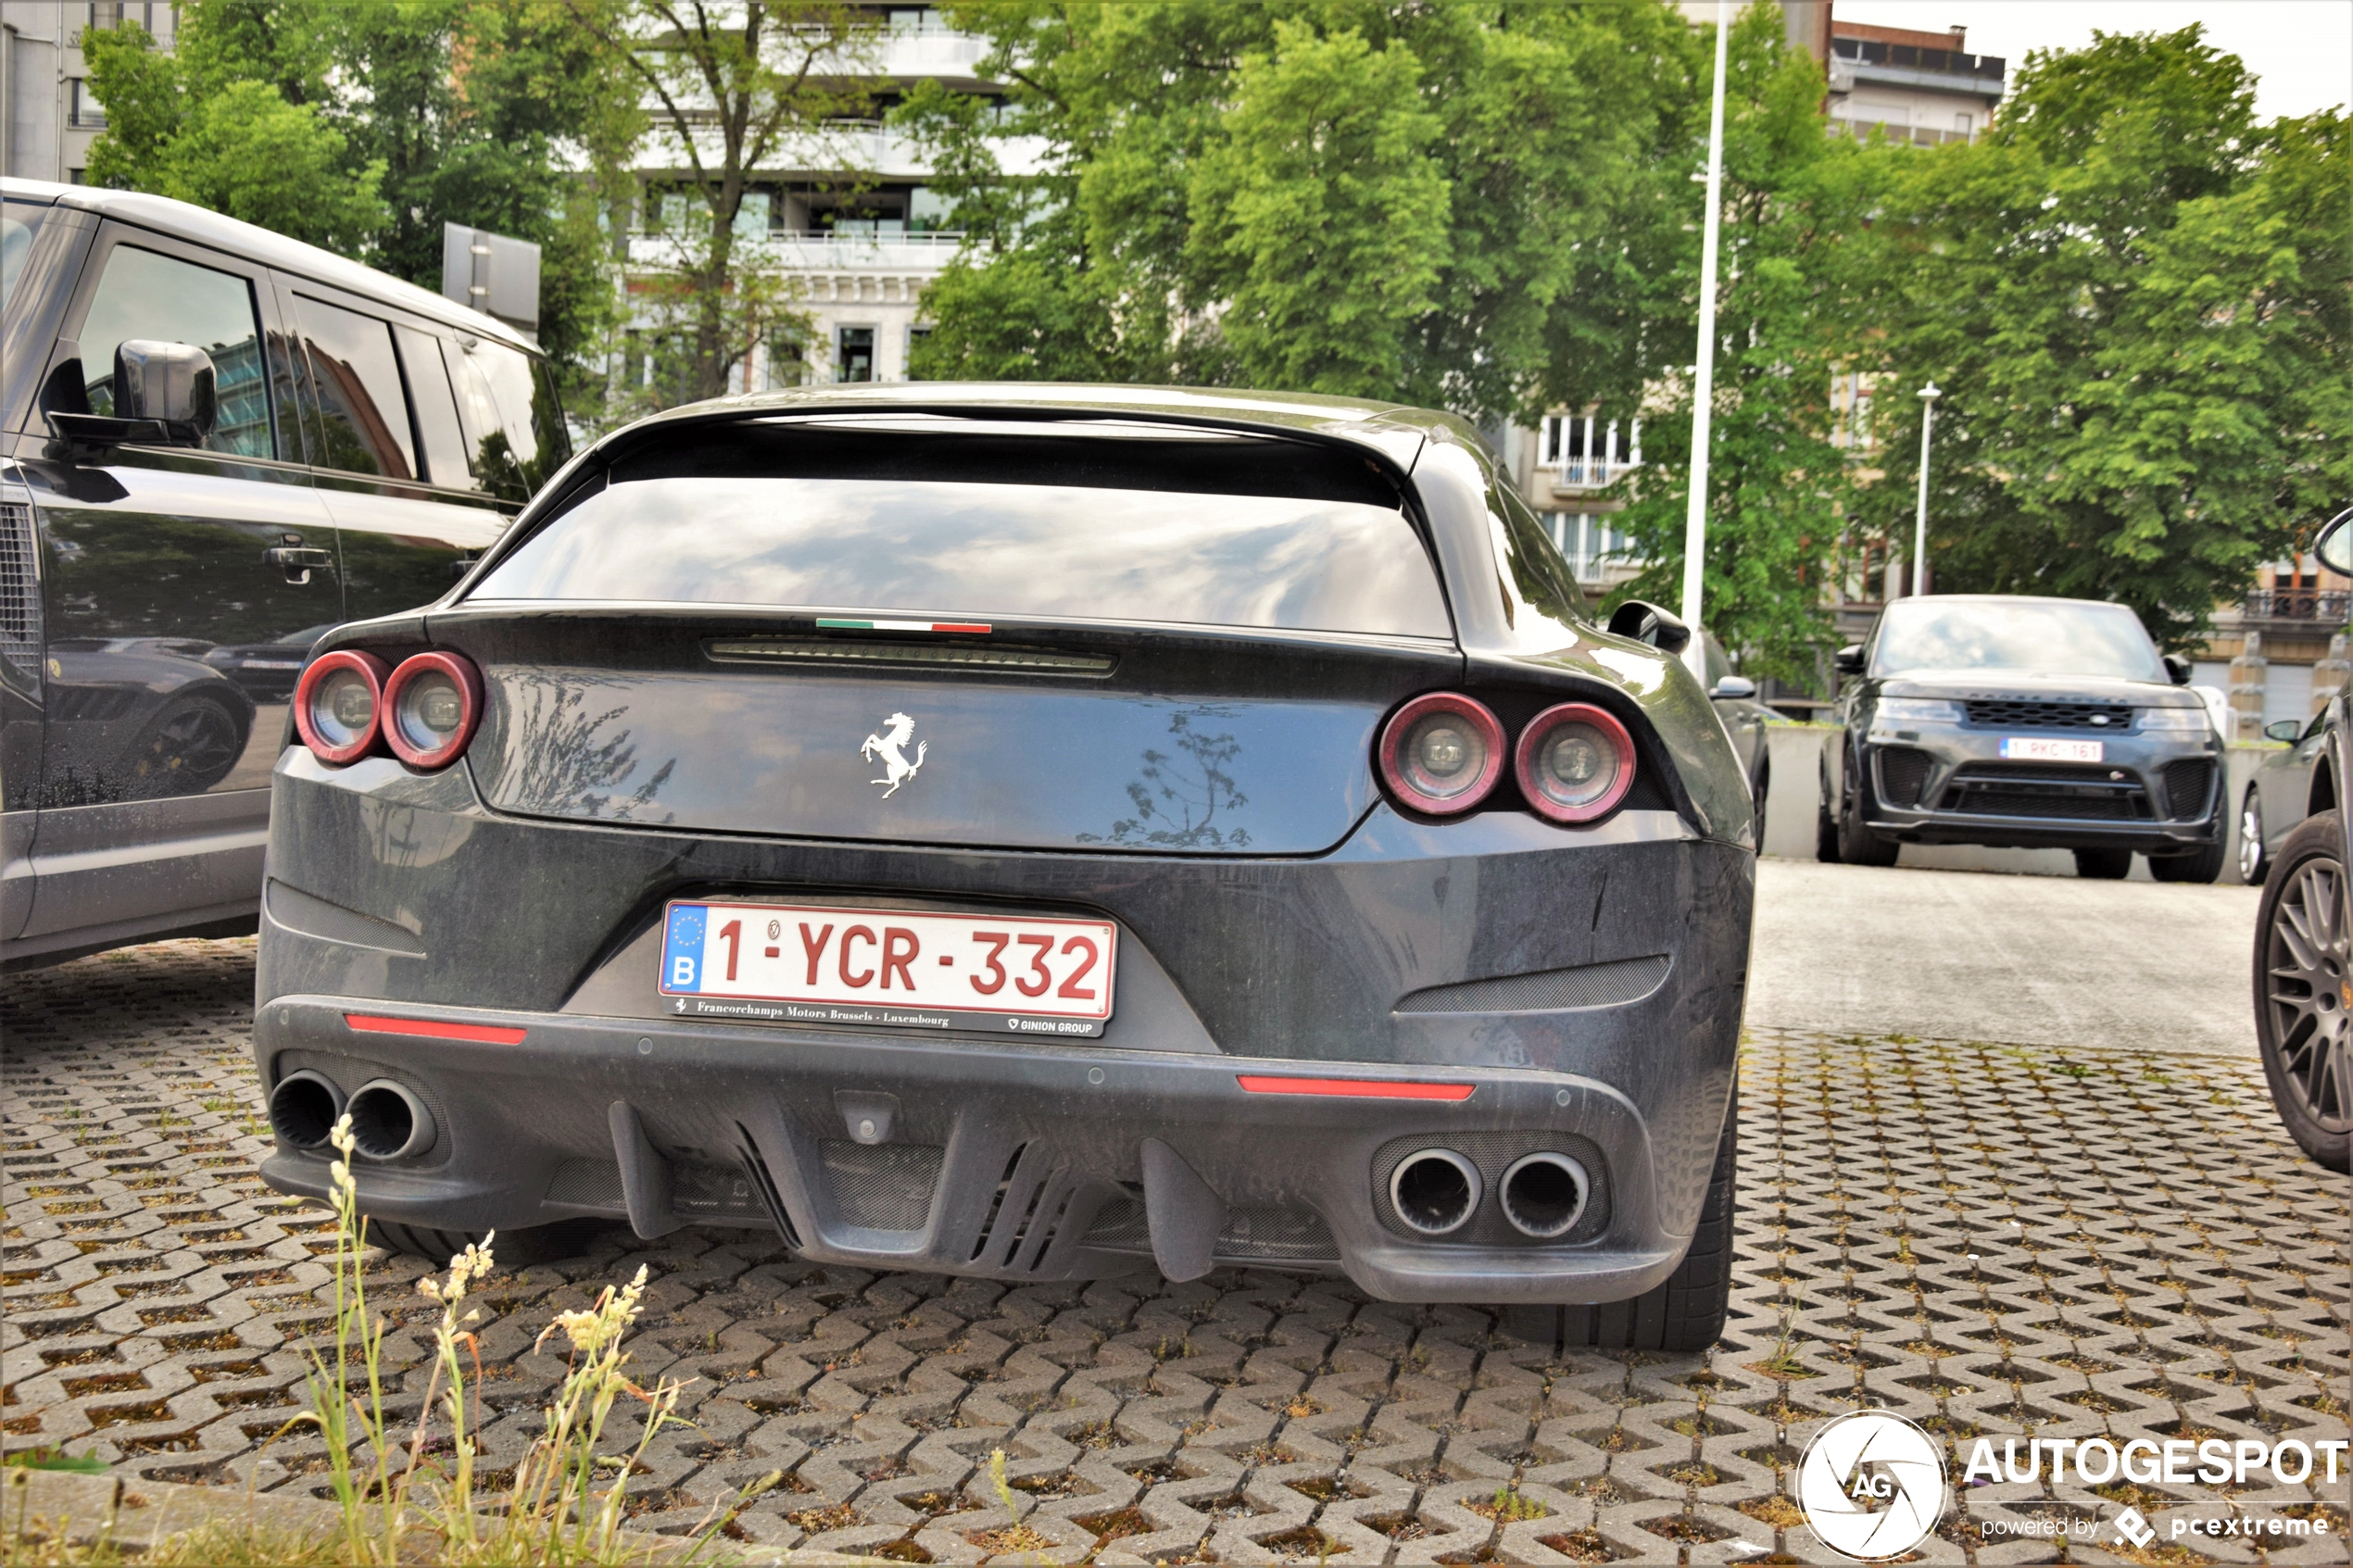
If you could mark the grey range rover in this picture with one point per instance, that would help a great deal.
(216, 444)
(2023, 722)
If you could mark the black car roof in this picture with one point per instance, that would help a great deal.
(186, 220)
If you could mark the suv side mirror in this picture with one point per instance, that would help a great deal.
(1648, 623)
(171, 383)
(2286, 731)
(2334, 546)
(1848, 660)
(2178, 668)
(1734, 688)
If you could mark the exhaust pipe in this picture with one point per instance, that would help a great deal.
(1434, 1191)
(388, 1121)
(303, 1108)
(1543, 1194)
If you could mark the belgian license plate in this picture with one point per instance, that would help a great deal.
(2040, 749)
(838, 964)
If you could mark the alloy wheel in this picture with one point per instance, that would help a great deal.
(2251, 840)
(2309, 993)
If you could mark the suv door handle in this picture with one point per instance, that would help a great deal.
(298, 560)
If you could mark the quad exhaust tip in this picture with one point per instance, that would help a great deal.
(388, 1121)
(1434, 1191)
(303, 1108)
(1543, 1194)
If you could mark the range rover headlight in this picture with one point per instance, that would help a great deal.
(1918, 710)
(2174, 720)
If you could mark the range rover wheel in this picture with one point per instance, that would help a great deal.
(2302, 983)
(1685, 1313)
(1858, 846)
(1825, 825)
(2253, 863)
(2104, 865)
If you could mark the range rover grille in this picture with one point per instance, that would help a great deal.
(19, 592)
(2030, 713)
(1902, 771)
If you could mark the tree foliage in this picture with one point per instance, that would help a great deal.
(363, 126)
(2137, 300)
(1437, 203)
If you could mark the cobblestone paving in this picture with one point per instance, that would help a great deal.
(1991, 1240)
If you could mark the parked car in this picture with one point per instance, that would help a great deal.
(2288, 786)
(1022, 832)
(2023, 722)
(1746, 721)
(214, 443)
(2304, 933)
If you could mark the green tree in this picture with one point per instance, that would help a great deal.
(2136, 299)
(180, 128)
(1430, 202)
(1787, 320)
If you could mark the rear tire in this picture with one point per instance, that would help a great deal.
(1858, 846)
(1825, 826)
(1685, 1313)
(2301, 964)
(1763, 788)
(534, 1244)
(2198, 865)
(2104, 865)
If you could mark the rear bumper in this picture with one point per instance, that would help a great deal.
(995, 1158)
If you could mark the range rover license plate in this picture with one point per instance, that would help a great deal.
(2040, 749)
(840, 965)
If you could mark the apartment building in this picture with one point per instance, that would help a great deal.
(49, 119)
(1925, 88)
(845, 215)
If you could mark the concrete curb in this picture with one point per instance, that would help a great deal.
(84, 1508)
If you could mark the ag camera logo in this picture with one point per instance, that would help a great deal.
(1873, 1486)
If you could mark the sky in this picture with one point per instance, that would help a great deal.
(2301, 51)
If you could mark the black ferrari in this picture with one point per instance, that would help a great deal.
(1037, 832)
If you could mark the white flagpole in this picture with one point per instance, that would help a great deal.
(1704, 388)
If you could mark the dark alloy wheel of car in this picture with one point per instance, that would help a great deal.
(1857, 845)
(2303, 991)
(2253, 862)
(190, 748)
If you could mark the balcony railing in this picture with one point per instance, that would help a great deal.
(1587, 473)
(2320, 605)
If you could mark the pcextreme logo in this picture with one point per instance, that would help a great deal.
(1873, 1486)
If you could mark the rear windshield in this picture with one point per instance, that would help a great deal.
(1210, 530)
(2053, 637)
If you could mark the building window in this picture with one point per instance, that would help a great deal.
(85, 112)
(854, 353)
(1963, 124)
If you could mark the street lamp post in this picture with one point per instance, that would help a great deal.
(1704, 372)
(1929, 395)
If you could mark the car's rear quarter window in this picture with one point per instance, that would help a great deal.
(1174, 528)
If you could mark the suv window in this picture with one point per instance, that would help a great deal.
(20, 222)
(513, 420)
(438, 433)
(362, 410)
(146, 295)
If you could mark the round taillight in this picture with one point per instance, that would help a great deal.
(431, 705)
(1575, 762)
(339, 705)
(1442, 753)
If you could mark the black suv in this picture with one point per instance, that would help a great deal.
(216, 443)
(2023, 722)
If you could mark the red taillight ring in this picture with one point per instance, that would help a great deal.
(1393, 768)
(373, 669)
(469, 682)
(1532, 738)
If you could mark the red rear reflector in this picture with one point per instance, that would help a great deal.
(480, 1033)
(1363, 1088)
